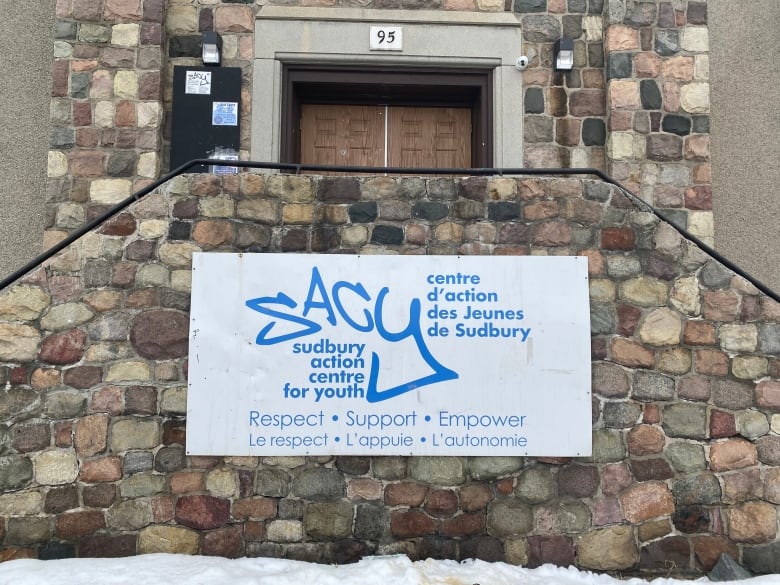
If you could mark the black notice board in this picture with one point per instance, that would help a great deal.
(205, 113)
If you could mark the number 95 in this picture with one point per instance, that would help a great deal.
(385, 37)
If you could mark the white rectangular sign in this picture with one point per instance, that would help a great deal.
(198, 82)
(386, 38)
(224, 113)
(389, 355)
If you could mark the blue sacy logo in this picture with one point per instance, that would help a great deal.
(329, 304)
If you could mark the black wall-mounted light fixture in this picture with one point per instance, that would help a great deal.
(564, 54)
(212, 48)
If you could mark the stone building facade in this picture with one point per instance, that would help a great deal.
(686, 355)
(649, 58)
(685, 409)
(635, 105)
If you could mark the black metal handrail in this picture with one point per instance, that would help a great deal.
(297, 168)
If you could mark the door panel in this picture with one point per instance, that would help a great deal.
(429, 137)
(342, 135)
(418, 137)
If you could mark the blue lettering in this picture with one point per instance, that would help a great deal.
(317, 285)
(280, 299)
(317, 298)
(440, 372)
(360, 290)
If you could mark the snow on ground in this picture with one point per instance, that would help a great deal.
(168, 569)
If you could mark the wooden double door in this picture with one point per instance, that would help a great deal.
(386, 136)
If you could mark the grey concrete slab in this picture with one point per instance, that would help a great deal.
(745, 78)
(26, 46)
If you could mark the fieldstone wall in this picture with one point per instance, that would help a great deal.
(641, 66)
(635, 105)
(106, 107)
(565, 113)
(111, 89)
(658, 102)
(686, 391)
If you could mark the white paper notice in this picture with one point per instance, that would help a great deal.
(225, 114)
(198, 82)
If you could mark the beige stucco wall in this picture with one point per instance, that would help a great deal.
(745, 75)
(26, 43)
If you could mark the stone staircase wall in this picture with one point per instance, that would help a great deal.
(686, 391)
(636, 104)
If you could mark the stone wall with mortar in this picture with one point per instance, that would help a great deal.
(685, 409)
(106, 108)
(636, 103)
(658, 107)
(564, 114)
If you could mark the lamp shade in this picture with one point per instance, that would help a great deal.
(212, 48)
(564, 54)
